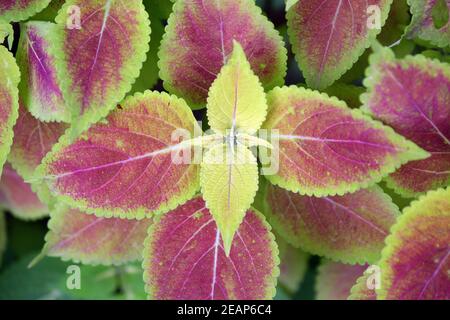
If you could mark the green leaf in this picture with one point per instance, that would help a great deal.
(236, 98)
(229, 181)
(2, 235)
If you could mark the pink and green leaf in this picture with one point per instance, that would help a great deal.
(329, 36)
(77, 236)
(33, 139)
(123, 166)
(18, 10)
(9, 101)
(350, 228)
(325, 148)
(199, 38)
(184, 257)
(40, 91)
(335, 280)
(293, 266)
(415, 263)
(17, 196)
(98, 63)
(430, 21)
(412, 96)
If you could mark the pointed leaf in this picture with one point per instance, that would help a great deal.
(123, 167)
(17, 197)
(413, 97)
(335, 280)
(229, 180)
(9, 101)
(416, 259)
(236, 98)
(426, 25)
(74, 235)
(361, 291)
(98, 63)
(293, 266)
(327, 149)
(40, 91)
(349, 228)
(18, 10)
(185, 259)
(329, 36)
(200, 37)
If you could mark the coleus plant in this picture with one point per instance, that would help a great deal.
(106, 181)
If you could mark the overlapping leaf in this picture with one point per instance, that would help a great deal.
(430, 21)
(17, 197)
(199, 39)
(33, 139)
(335, 280)
(18, 10)
(89, 239)
(98, 60)
(9, 101)
(184, 257)
(329, 36)
(413, 97)
(326, 148)
(123, 167)
(40, 91)
(350, 228)
(416, 260)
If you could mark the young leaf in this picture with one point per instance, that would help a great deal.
(185, 259)
(123, 167)
(413, 97)
(328, 37)
(33, 139)
(350, 228)
(416, 259)
(236, 98)
(294, 264)
(9, 101)
(18, 10)
(6, 31)
(89, 239)
(229, 180)
(17, 197)
(39, 88)
(361, 290)
(200, 37)
(430, 21)
(335, 280)
(98, 60)
(327, 149)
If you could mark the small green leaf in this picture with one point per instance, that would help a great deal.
(236, 98)
(229, 181)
